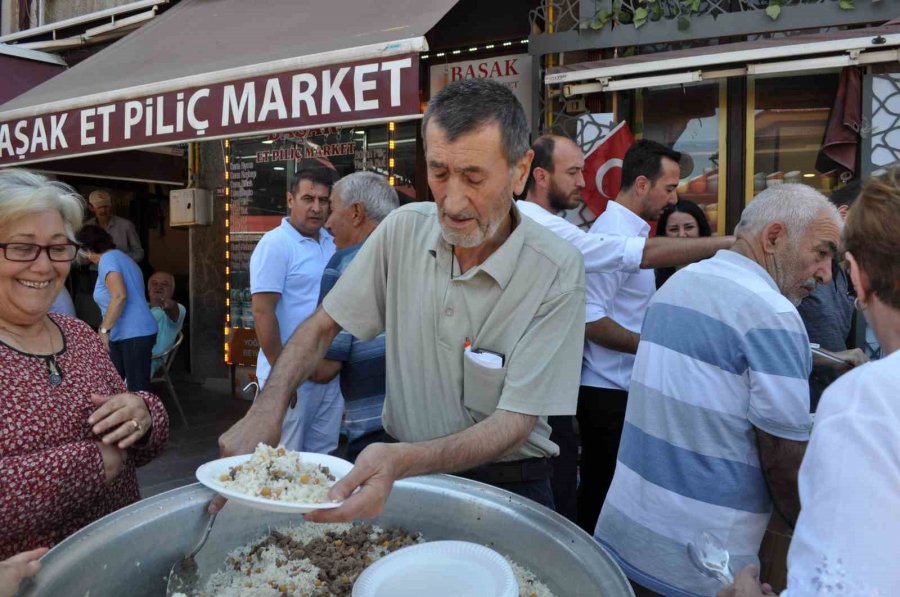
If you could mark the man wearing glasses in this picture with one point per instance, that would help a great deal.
(285, 272)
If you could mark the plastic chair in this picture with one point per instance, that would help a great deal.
(162, 375)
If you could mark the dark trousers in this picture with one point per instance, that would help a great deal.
(565, 466)
(601, 416)
(132, 360)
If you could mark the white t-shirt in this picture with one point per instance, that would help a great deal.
(622, 296)
(602, 252)
(290, 264)
(848, 535)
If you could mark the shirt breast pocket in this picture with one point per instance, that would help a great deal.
(482, 387)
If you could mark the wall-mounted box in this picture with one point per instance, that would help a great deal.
(190, 207)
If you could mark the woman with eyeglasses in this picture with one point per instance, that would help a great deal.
(128, 328)
(70, 435)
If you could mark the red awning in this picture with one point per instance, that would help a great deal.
(21, 69)
(210, 69)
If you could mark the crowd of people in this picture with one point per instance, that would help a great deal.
(491, 338)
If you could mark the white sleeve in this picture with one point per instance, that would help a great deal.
(602, 252)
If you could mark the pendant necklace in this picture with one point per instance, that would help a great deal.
(53, 369)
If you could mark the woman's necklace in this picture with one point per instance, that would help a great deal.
(54, 371)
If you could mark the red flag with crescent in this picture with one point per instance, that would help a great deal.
(603, 168)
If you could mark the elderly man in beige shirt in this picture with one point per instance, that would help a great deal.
(482, 311)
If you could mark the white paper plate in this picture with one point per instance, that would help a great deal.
(208, 474)
(439, 569)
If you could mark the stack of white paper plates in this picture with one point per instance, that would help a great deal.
(439, 569)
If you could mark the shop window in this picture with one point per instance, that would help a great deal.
(691, 119)
(260, 170)
(787, 117)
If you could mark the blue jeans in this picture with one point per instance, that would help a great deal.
(131, 358)
(314, 425)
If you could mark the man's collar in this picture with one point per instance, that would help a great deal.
(323, 233)
(500, 265)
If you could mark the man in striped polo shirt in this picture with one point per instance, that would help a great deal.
(718, 408)
(359, 202)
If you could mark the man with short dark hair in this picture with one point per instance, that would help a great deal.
(285, 273)
(555, 184)
(482, 313)
(359, 203)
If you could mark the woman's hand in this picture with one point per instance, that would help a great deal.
(17, 568)
(121, 419)
(113, 460)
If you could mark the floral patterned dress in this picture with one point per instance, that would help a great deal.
(52, 479)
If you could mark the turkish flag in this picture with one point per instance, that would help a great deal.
(603, 168)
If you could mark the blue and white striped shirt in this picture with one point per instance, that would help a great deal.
(363, 369)
(721, 352)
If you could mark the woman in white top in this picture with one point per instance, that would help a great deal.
(848, 535)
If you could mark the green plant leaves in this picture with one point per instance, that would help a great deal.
(773, 10)
(640, 17)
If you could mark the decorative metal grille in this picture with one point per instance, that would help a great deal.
(884, 129)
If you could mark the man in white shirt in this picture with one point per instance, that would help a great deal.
(554, 185)
(616, 305)
(285, 273)
(121, 230)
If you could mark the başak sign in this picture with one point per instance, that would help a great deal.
(369, 90)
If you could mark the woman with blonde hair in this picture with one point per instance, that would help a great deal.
(70, 436)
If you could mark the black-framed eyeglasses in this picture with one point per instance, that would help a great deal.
(24, 252)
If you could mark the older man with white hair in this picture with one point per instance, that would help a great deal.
(718, 409)
(359, 202)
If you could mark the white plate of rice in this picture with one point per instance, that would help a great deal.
(276, 479)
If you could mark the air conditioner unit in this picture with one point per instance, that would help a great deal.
(190, 207)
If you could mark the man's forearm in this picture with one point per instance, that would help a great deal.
(487, 441)
(780, 460)
(660, 251)
(268, 333)
(299, 357)
(611, 335)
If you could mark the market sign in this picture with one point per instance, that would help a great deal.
(358, 92)
(513, 71)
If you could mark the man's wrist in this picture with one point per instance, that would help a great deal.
(104, 331)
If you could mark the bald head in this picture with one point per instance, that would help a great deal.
(557, 173)
(161, 285)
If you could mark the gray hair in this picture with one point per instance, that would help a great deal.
(23, 193)
(466, 105)
(796, 205)
(369, 189)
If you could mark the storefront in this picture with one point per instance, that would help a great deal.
(251, 95)
(753, 114)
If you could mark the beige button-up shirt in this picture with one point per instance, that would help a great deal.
(525, 302)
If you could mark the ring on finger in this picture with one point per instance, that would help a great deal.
(137, 426)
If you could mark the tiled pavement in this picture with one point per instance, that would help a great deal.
(210, 411)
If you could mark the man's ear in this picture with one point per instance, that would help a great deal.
(359, 214)
(642, 185)
(520, 172)
(773, 235)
